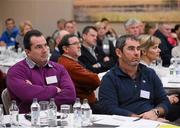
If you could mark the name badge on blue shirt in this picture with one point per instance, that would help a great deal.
(145, 94)
(12, 39)
(51, 80)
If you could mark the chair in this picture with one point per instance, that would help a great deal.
(6, 100)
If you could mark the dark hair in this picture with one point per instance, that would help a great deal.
(149, 26)
(120, 42)
(27, 38)
(9, 19)
(177, 26)
(65, 42)
(87, 28)
(104, 19)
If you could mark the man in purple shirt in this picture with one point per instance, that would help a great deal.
(36, 77)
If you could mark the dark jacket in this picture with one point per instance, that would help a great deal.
(102, 54)
(88, 60)
(121, 95)
(165, 49)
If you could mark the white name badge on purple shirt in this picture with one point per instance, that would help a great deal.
(51, 80)
(145, 94)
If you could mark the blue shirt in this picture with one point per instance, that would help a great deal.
(121, 95)
(9, 37)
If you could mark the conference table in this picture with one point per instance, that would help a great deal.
(8, 58)
(105, 121)
(171, 83)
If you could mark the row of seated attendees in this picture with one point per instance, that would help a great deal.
(122, 90)
(12, 36)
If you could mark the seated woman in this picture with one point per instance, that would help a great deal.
(150, 51)
(24, 27)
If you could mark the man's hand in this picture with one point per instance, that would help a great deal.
(28, 82)
(149, 115)
(134, 115)
(106, 59)
(97, 65)
(58, 89)
(173, 98)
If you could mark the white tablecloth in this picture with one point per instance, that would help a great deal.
(109, 120)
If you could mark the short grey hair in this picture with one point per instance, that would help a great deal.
(131, 21)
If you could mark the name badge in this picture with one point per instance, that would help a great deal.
(12, 39)
(51, 80)
(145, 94)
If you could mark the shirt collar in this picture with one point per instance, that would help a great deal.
(88, 47)
(68, 56)
(144, 63)
(32, 64)
(57, 49)
(118, 71)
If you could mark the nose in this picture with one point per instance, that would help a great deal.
(45, 48)
(137, 51)
(79, 45)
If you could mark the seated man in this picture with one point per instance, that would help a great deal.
(36, 77)
(130, 88)
(9, 35)
(84, 80)
(90, 58)
(56, 53)
(133, 27)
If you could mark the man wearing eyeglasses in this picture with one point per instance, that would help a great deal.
(84, 80)
(36, 77)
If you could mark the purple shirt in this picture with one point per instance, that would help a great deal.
(24, 93)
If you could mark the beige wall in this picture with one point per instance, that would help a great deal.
(1, 18)
(42, 13)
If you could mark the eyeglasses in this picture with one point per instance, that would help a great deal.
(75, 43)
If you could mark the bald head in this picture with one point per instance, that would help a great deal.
(62, 33)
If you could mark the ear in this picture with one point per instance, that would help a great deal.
(143, 52)
(65, 49)
(118, 52)
(83, 36)
(27, 51)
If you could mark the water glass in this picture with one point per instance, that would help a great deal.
(1, 114)
(44, 113)
(65, 118)
(159, 62)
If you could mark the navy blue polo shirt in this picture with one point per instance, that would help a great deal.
(121, 95)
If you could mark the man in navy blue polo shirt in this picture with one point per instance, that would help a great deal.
(130, 88)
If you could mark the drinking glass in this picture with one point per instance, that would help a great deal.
(43, 113)
(65, 118)
(1, 114)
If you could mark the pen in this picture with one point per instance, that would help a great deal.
(138, 119)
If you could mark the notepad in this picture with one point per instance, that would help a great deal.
(168, 126)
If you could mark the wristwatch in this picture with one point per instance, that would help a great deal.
(156, 111)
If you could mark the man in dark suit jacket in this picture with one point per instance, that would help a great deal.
(89, 58)
(163, 33)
